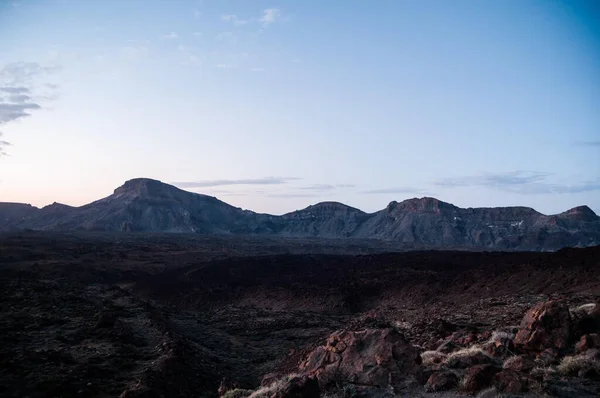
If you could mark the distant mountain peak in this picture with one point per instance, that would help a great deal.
(148, 205)
(144, 187)
(581, 213)
(425, 204)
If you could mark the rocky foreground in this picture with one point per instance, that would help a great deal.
(151, 316)
(554, 352)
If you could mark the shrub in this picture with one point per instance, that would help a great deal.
(430, 358)
(573, 365)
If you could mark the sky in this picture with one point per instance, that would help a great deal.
(275, 105)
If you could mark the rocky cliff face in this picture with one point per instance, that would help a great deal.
(144, 205)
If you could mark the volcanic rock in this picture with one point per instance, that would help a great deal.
(546, 325)
(371, 357)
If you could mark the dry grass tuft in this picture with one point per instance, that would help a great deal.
(541, 372)
(509, 361)
(572, 365)
(272, 389)
(585, 309)
(430, 358)
(468, 357)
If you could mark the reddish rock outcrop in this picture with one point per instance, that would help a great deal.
(479, 377)
(371, 357)
(546, 325)
(441, 381)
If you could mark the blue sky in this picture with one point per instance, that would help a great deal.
(275, 105)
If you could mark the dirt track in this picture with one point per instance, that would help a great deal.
(87, 315)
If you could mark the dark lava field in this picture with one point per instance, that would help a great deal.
(150, 315)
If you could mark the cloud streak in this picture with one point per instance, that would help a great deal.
(17, 100)
(170, 36)
(3, 144)
(247, 181)
(234, 19)
(593, 144)
(521, 182)
(270, 16)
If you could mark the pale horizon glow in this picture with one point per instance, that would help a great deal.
(273, 106)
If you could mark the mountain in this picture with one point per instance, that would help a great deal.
(145, 205)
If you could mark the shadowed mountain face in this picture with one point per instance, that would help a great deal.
(144, 205)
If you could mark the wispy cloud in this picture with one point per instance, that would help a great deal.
(3, 144)
(257, 69)
(595, 144)
(17, 86)
(197, 34)
(270, 16)
(403, 190)
(514, 178)
(170, 36)
(246, 181)
(234, 19)
(226, 65)
(325, 187)
(228, 37)
(318, 187)
(521, 182)
(197, 14)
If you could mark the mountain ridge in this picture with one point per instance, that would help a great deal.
(147, 205)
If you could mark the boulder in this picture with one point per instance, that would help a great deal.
(510, 381)
(587, 322)
(548, 357)
(479, 377)
(588, 341)
(371, 357)
(441, 381)
(546, 325)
